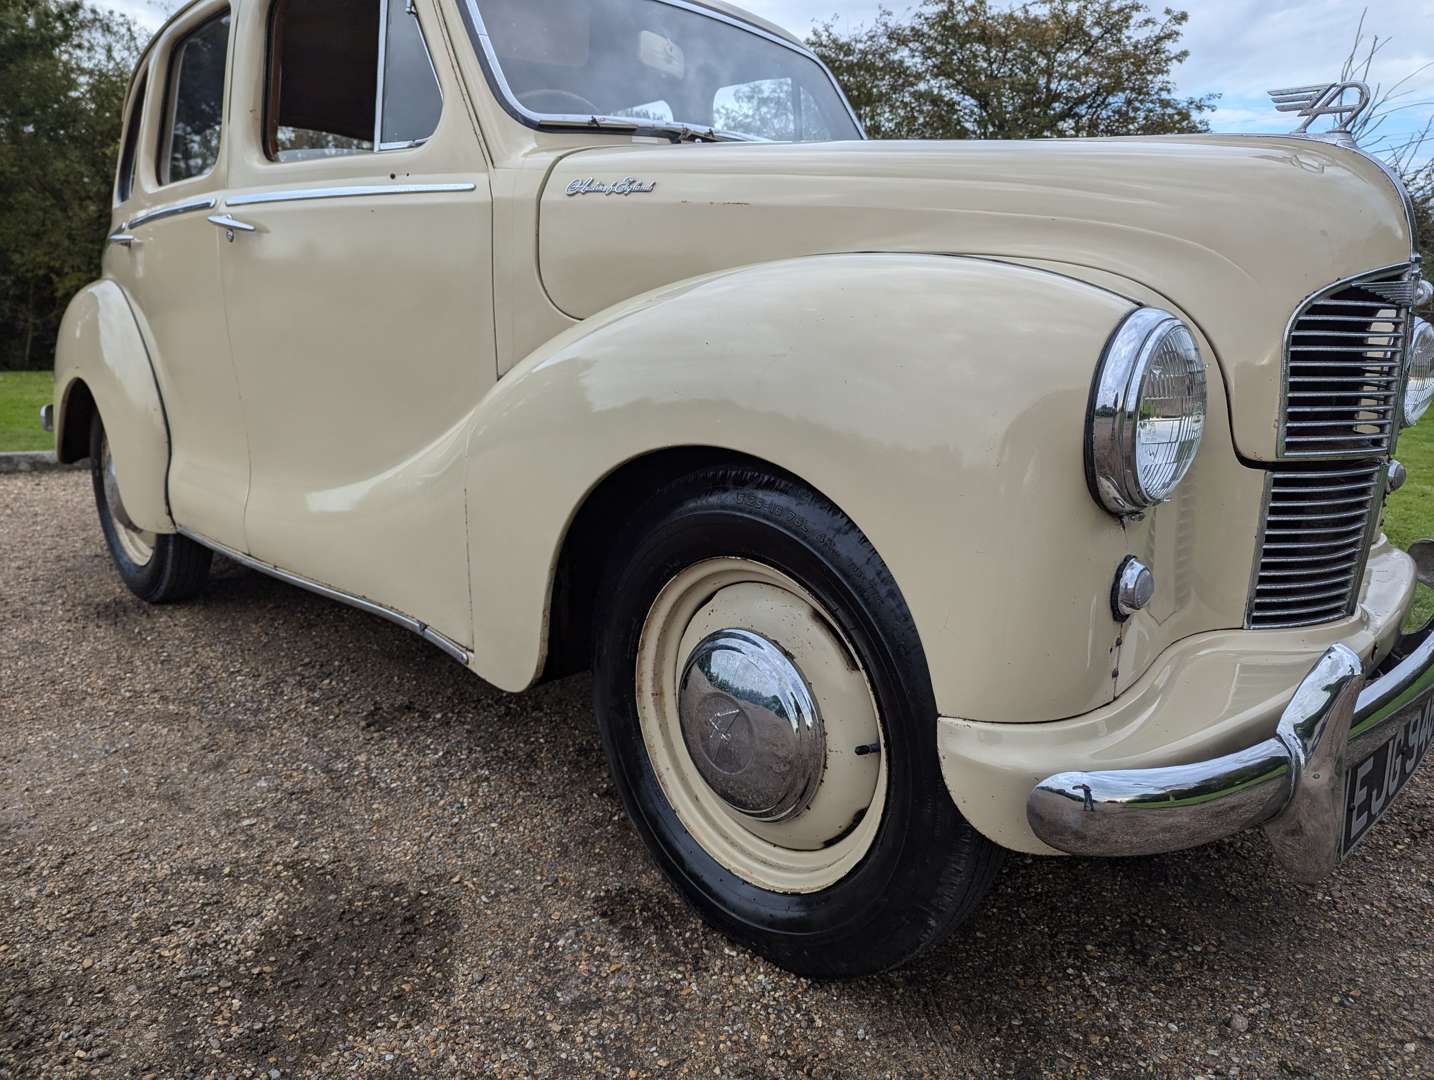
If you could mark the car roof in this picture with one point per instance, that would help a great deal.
(756, 20)
(721, 6)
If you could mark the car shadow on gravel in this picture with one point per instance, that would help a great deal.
(340, 955)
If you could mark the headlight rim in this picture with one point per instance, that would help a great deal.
(1420, 325)
(1112, 470)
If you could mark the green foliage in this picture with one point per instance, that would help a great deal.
(64, 69)
(21, 395)
(1420, 183)
(1411, 509)
(965, 69)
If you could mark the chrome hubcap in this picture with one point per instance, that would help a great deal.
(760, 725)
(751, 725)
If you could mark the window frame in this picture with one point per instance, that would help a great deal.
(270, 120)
(164, 151)
(127, 170)
(473, 23)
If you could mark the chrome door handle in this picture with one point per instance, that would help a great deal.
(224, 221)
(123, 239)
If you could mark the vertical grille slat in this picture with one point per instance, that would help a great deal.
(1312, 556)
(1344, 357)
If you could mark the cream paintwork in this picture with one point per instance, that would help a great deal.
(100, 346)
(1239, 229)
(362, 335)
(793, 362)
(171, 275)
(940, 401)
(1205, 696)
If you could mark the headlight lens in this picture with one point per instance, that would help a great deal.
(1147, 414)
(1419, 389)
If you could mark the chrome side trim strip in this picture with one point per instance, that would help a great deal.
(189, 206)
(408, 622)
(447, 644)
(358, 191)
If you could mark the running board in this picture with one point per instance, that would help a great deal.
(408, 622)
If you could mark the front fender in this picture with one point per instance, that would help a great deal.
(100, 347)
(940, 402)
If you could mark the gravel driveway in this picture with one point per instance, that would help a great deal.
(266, 835)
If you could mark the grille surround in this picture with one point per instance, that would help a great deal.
(1318, 525)
(1342, 374)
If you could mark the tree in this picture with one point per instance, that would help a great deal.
(963, 69)
(64, 70)
(1408, 154)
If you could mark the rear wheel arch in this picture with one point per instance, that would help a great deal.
(76, 417)
(103, 368)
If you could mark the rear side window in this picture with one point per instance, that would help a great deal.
(129, 156)
(196, 103)
(348, 78)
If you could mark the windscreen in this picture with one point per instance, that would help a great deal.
(649, 60)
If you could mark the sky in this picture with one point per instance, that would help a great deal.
(1238, 48)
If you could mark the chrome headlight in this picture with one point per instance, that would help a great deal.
(1147, 412)
(1419, 383)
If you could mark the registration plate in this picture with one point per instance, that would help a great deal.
(1371, 785)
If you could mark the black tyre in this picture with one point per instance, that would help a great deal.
(767, 712)
(160, 568)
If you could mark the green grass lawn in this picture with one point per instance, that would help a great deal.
(21, 395)
(1411, 509)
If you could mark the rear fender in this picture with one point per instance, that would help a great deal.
(101, 358)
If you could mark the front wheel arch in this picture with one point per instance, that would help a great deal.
(593, 534)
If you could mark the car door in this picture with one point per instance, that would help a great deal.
(165, 255)
(357, 273)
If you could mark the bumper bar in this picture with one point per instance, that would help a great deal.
(1291, 784)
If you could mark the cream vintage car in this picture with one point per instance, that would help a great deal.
(909, 502)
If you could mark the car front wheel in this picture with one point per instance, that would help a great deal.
(768, 716)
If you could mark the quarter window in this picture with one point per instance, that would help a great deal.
(196, 103)
(348, 78)
(129, 156)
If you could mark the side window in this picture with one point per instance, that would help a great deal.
(196, 103)
(347, 78)
(129, 153)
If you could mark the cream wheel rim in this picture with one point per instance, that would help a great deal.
(760, 725)
(136, 543)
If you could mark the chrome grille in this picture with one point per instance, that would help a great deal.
(1344, 360)
(1315, 542)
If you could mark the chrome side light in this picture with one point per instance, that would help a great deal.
(1147, 412)
(1419, 379)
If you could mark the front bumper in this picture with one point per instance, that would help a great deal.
(1292, 784)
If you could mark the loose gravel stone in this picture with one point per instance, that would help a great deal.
(263, 835)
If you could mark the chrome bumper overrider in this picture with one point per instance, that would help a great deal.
(1292, 784)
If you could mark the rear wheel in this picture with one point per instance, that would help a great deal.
(157, 567)
(768, 716)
